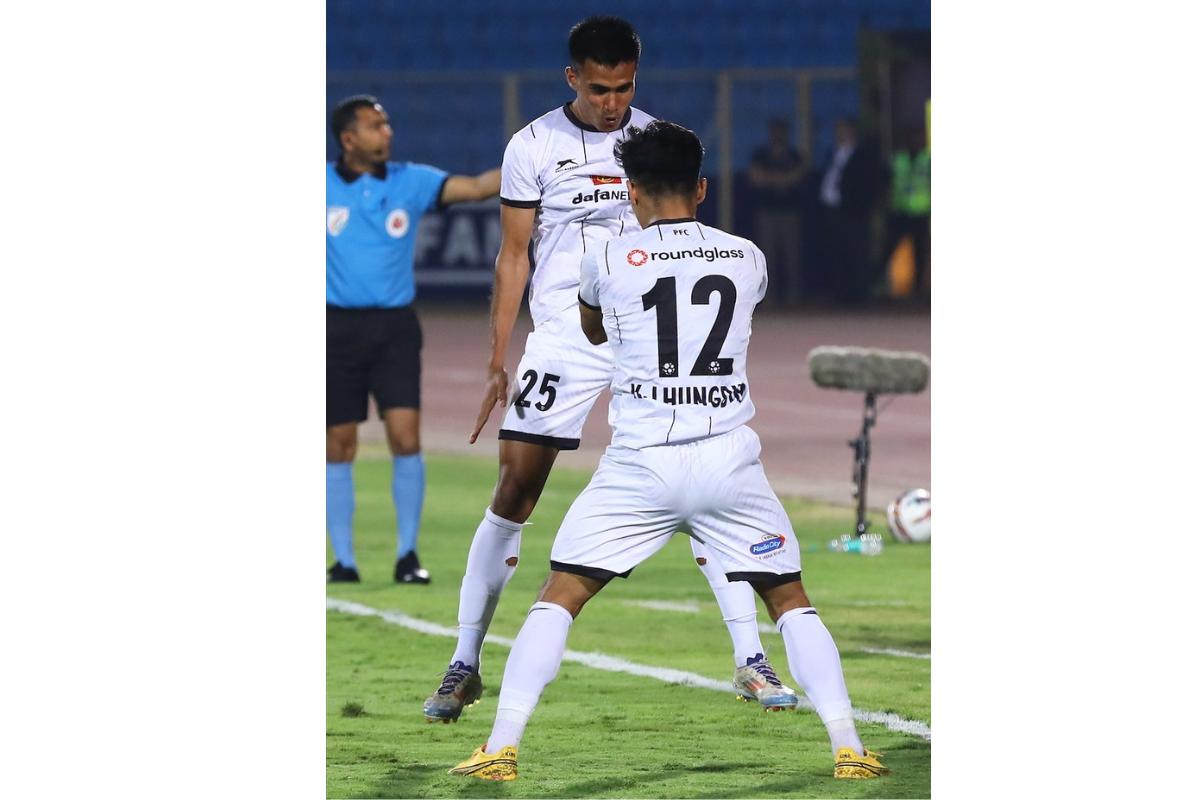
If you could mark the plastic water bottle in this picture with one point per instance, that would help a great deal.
(869, 544)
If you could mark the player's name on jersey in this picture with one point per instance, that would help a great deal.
(715, 396)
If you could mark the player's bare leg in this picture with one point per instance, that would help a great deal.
(491, 562)
(341, 445)
(403, 428)
(817, 667)
(524, 469)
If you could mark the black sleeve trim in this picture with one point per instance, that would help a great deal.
(595, 573)
(585, 303)
(441, 200)
(537, 438)
(763, 578)
(504, 201)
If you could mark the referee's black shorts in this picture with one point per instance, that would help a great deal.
(375, 350)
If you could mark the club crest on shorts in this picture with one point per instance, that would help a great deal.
(637, 257)
(397, 223)
(336, 218)
(769, 544)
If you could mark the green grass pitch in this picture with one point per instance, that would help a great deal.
(606, 734)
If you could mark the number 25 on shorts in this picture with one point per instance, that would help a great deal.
(546, 390)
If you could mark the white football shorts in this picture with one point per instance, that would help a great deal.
(556, 384)
(714, 489)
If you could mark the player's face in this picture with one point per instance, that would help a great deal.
(370, 137)
(602, 94)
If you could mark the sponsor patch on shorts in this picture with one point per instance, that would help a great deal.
(767, 545)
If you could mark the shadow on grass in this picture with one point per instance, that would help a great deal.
(415, 780)
(910, 759)
(634, 784)
(428, 781)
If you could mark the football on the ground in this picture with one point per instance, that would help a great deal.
(908, 516)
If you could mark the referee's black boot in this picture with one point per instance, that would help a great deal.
(341, 574)
(408, 570)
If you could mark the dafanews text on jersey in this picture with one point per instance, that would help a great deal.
(677, 300)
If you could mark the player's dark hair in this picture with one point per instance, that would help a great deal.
(345, 112)
(663, 159)
(606, 40)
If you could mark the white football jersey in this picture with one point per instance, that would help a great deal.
(677, 300)
(564, 168)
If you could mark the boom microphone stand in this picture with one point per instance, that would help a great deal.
(873, 372)
(862, 457)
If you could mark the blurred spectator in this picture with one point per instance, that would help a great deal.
(846, 197)
(776, 171)
(909, 211)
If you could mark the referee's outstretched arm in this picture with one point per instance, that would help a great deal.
(465, 188)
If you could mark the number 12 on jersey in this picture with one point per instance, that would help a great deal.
(662, 298)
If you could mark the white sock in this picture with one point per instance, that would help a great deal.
(532, 664)
(497, 542)
(736, 601)
(817, 667)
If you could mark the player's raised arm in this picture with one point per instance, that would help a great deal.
(512, 271)
(466, 188)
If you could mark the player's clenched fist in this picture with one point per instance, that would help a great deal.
(495, 390)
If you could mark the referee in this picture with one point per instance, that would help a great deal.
(373, 338)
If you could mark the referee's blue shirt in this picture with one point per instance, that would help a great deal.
(370, 228)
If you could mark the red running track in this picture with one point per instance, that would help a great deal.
(804, 429)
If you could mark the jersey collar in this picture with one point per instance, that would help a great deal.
(672, 221)
(349, 176)
(578, 123)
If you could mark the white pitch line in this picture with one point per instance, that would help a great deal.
(891, 721)
(764, 627)
(888, 651)
(693, 607)
(687, 606)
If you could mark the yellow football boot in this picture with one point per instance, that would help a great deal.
(501, 766)
(849, 764)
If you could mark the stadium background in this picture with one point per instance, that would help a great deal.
(458, 78)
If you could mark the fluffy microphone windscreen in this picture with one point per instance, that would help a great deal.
(864, 369)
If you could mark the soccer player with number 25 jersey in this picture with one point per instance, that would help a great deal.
(562, 189)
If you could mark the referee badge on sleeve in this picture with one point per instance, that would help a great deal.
(336, 218)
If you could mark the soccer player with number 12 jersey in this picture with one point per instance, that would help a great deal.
(674, 300)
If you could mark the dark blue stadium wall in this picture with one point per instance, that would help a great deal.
(438, 67)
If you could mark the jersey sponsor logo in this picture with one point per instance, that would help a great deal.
(768, 545)
(598, 195)
(336, 218)
(566, 163)
(706, 253)
(637, 258)
(397, 223)
(604, 180)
